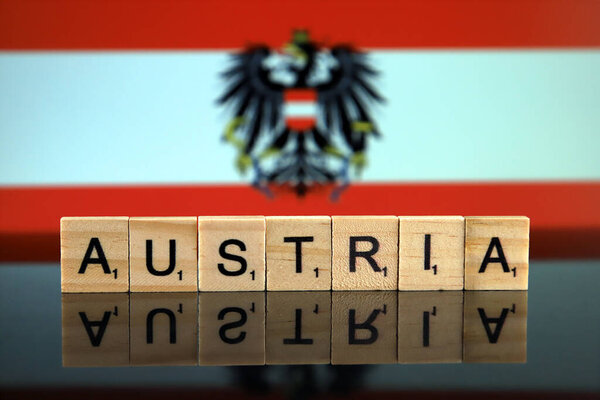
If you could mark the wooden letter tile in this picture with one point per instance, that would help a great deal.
(163, 254)
(495, 327)
(298, 328)
(365, 253)
(364, 327)
(432, 252)
(94, 254)
(496, 253)
(231, 254)
(95, 329)
(232, 328)
(298, 253)
(430, 327)
(163, 328)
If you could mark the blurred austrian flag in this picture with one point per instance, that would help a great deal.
(300, 107)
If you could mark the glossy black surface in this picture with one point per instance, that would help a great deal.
(562, 335)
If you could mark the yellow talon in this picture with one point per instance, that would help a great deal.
(243, 162)
(359, 161)
(334, 151)
(229, 134)
(362, 126)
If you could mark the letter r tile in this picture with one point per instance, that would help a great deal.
(365, 253)
(364, 327)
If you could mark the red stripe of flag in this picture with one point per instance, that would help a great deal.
(565, 217)
(216, 24)
(300, 124)
(308, 95)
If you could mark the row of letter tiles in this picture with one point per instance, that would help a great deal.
(253, 328)
(254, 253)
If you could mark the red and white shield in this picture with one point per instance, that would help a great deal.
(300, 109)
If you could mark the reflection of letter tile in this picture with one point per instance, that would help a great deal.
(495, 327)
(496, 236)
(311, 236)
(95, 330)
(237, 244)
(432, 253)
(94, 235)
(232, 328)
(298, 328)
(364, 327)
(430, 327)
(375, 241)
(163, 328)
(171, 239)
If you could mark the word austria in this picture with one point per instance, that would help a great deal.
(254, 253)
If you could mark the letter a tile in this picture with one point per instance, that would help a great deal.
(94, 254)
(496, 253)
(365, 253)
(495, 327)
(95, 329)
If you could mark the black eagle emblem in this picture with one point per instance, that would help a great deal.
(301, 116)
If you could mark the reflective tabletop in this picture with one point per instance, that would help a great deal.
(301, 344)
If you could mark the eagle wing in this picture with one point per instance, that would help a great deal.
(344, 99)
(256, 100)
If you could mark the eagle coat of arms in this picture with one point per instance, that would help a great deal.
(301, 116)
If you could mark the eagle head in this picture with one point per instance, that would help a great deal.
(301, 47)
